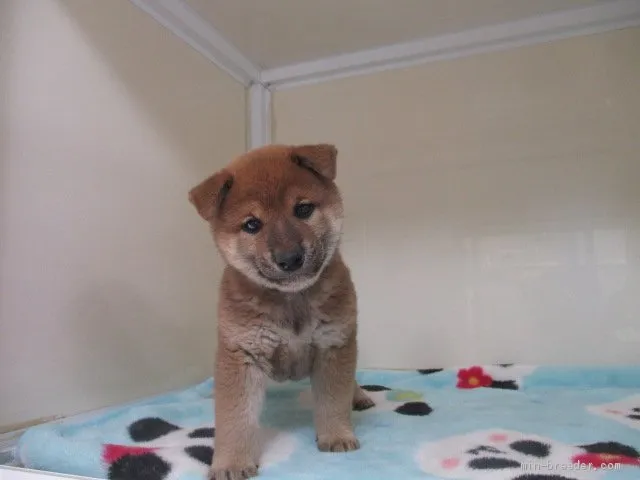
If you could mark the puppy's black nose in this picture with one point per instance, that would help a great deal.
(289, 260)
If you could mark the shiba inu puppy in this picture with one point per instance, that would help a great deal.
(287, 306)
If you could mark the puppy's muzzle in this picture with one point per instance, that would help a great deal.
(289, 260)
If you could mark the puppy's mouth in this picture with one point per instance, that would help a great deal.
(310, 267)
(299, 273)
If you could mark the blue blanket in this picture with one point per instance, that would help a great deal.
(502, 422)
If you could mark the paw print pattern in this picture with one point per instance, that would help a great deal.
(430, 371)
(625, 411)
(506, 376)
(403, 402)
(164, 451)
(510, 455)
(130, 464)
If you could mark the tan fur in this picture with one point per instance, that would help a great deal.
(274, 325)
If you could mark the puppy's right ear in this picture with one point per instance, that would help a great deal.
(320, 159)
(209, 195)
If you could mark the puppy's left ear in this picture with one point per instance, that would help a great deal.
(320, 159)
(207, 196)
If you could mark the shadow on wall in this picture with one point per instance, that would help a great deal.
(127, 341)
(466, 259)
(106, 121)
(162, 85)
(6, 16)
(175, 89)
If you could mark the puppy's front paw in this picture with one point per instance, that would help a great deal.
(233, 473)
(344, 443)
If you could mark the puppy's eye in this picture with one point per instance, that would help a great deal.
(303, 210)
(252, 225)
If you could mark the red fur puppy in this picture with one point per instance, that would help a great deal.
(287, 307)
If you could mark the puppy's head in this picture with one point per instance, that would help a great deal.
(275, 213)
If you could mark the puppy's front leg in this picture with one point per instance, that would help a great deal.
(239, 394)
(333, 383)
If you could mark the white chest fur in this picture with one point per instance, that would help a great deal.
(303, 331)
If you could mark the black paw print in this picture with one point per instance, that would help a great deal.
(407, 408)
(147, 465)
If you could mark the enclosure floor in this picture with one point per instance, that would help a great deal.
(509, 421)
(8, 444)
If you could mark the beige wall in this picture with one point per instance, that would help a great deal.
(493, 202)
(107, 276)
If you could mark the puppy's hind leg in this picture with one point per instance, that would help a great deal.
(239, 395)
(362, 401)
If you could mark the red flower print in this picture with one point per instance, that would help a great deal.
(473, 377)
(602, 460)
(112, 453)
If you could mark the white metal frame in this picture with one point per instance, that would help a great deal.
(200, 35)
(539, 29)
(190, 27)
(259, 115)
(178, 17)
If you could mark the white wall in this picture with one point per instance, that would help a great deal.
(107, 275)
(493, 202)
